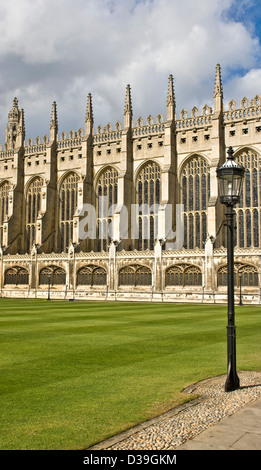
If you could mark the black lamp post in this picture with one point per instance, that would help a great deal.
(230, 176)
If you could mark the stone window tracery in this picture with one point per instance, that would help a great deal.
(195, 192)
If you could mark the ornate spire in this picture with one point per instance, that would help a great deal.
(128, 108)
(89, 116)
(54, 123)
(171, 100)
(14, 113)
(12, 129)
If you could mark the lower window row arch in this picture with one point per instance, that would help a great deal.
(134, 275)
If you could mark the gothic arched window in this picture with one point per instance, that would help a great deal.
(107, 196)
(183, 275)
(248, 210)
(68, 205)
(195, 191)
(91, 275)
(135, 275)
(52, 275)
(4, 202)
(249, 275)
(17, 276)
(33, 207)
(148, 199)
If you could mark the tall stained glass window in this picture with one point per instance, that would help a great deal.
(195, 192)
(107, 196)
(4, 203)
(33, 207)
(248, 211)
(148, 199)
(68, 205)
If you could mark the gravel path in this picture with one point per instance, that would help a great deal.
(185, 422)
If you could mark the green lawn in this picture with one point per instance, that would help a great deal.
(75, 373)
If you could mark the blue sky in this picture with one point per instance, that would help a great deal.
(64, 49)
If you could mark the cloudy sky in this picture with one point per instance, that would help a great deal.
(64, 49)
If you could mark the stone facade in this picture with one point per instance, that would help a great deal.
(44, 183)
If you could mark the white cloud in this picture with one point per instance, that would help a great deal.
(247, 86)
(63, 49)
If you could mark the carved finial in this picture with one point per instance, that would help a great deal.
(21, 125)
(218, 91)
(128, 108)
(128, 104)
(54, 123)
(230, 153)
(89, 110)
(171, 100)
(54, 120)
(171, 95)
(89, 116)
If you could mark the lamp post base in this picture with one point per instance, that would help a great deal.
(232, 382)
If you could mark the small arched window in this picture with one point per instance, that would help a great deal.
(174, 276)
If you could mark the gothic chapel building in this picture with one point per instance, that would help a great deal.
(156, 161)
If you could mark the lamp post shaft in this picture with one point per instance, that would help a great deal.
(240, 292)
(232, 382)
(49, 284)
